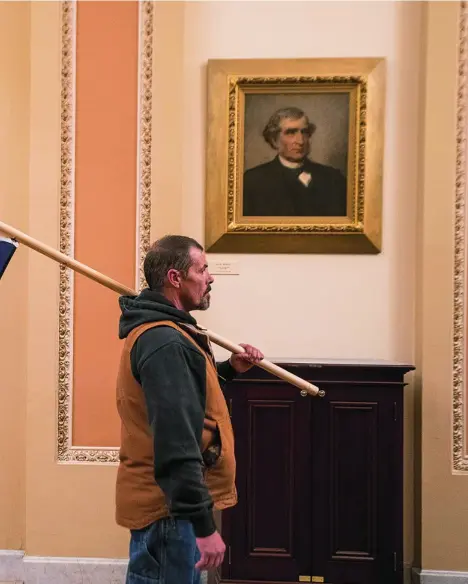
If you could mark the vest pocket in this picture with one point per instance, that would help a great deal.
(223, 469)
(211, 443)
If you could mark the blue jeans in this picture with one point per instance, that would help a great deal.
(165, 552)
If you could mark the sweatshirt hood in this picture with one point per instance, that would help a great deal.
(148, 306)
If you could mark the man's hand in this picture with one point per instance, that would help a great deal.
(212, 550)
(242, 362)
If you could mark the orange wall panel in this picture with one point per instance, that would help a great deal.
(105, 206)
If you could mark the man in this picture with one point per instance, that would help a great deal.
(177, 448)
(291, 184)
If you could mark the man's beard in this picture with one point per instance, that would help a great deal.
(205, 301)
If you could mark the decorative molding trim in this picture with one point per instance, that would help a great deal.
(438, 577)
(67, 205)
(66, 453)
(460, 458)
(145, 134)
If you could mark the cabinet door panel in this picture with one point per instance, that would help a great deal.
(269, 529)
(355, 484)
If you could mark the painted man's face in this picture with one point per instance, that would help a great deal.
(293, 139)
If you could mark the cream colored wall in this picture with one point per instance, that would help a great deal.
(444, 497)
(354, 306)
(369, 300)
(360, 306)
(168, 128)
(14, 128)
(318, 306)
(70, 508)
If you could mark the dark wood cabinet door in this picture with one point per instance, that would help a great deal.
(356, 487)
(269, 530)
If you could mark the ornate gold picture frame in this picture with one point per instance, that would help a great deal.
(321, 191)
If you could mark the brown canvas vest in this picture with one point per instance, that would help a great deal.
(139, 500)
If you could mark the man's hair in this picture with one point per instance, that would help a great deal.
(273, 127)
(171, 252)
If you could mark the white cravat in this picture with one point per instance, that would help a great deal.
(305, 178)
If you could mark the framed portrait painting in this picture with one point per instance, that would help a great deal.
(295, 156)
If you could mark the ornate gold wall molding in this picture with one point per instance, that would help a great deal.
(460, 458)
(66, 452)
(145, 132)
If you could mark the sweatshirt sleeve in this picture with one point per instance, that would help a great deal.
(173, 379)
(226, 373)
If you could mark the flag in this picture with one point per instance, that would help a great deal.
(7, 249)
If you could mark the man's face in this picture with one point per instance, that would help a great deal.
(195, 287)
(293, 139)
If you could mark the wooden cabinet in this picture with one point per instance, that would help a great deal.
(320, 480)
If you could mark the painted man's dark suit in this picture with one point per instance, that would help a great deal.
(274, 189)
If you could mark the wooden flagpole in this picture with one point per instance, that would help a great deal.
(61, 258)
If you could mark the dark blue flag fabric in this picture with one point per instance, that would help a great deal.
(7, 249)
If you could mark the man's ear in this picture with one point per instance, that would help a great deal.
(174, 278)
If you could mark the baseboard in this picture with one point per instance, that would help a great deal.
(11, 566)
(18, 568)
(73, 570)
(439, 577)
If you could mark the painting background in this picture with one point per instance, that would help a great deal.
(328, 111)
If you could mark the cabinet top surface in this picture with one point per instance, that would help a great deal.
(344, 362)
